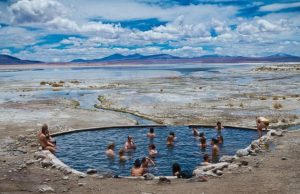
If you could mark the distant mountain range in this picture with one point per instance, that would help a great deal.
(9, 60)
(163, 58)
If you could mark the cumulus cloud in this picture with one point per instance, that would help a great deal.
(30, 11)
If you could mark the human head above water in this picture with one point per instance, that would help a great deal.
(111, 146)
(206, 157)
(151, 130)
(201, 134)
(152, 146)
(121, 152)
(214, 140)
(137, 163)
(172, 133)
(219, 123)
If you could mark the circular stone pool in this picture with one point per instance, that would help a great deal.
(86, 149)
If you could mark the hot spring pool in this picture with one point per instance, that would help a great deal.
(86, 149)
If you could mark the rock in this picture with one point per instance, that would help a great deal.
(38, 155)
(82, 175)
(279, 133)
(219, 172)
(210, 169)
(45, 188)
(65, 177)
(46, 163)
(22, 150)
(233, 166)
(21, 138)
(283, 158)
(250, 168)
(47, 179)
(197, 179)
(29, 162)
(255, 144)
(91, 171)
(23, 166)
(242, 152)
(34, 145)
(149, 176)
(163, 180)
(244, 163)
(227, 159)
(81, 184)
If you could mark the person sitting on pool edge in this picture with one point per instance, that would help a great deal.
(45, 139)
(202, 140)
(261, 123)
(219, 127)
(137, 170)
(215, 148)
(176, 171)
(152, 150)
(146, 162)
(110, 150)
(151, 133)
(195, 132)
(122, 158)
(171, 138)
(129, 145)
(206, 160)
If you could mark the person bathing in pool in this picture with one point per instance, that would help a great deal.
(195, 132)
(137, 169)
(122, 157)
(45, 139)
(214, 148)
(146, 162)
(151, 133)
(206, 160)
(219, 127)
(129, 145)
(110, 150)
(152, 150)
(202, 140)
(171, 138)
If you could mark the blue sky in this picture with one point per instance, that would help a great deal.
(63, 30)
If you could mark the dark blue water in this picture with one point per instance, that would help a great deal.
(85, 150)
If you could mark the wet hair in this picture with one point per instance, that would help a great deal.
(205, 157)
(221, 137)
(176, 168)
(214, 140)
(151, 130)
(111, 146)
(152, 146)
(201, 134)
(44, 128)
(218, 123)
(172, 133)
(137, 163)
(121, 152)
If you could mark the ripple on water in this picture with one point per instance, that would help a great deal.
(85, 150)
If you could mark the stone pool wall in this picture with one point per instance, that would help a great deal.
(47, 159)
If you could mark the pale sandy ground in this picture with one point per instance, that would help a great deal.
(181, 101)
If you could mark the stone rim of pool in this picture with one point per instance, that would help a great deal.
(137, 126)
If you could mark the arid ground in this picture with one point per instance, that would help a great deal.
(272, 91)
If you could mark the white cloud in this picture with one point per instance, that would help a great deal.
(279, 6)
(32, 11)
